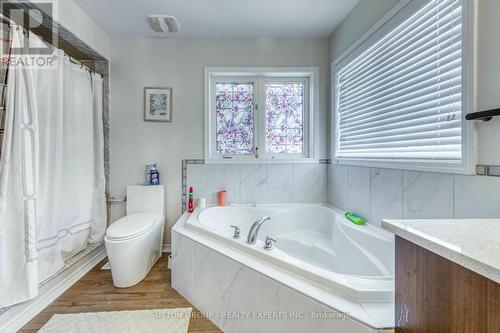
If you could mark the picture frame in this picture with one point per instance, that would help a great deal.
(158, 104)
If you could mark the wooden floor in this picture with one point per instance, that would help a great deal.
(95, 292)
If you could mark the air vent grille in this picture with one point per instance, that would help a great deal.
(163, 23)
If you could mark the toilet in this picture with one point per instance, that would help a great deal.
(134, 242)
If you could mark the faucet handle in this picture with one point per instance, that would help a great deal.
(237, 232)
(269, 243)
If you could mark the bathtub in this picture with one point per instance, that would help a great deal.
(315, 242)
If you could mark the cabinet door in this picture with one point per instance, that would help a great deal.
(434, 294)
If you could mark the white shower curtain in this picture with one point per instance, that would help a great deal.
(18, 187)
(63, 207)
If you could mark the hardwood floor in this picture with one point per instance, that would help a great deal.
(95, 292)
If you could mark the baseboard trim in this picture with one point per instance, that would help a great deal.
(19, 315)
(167, 248)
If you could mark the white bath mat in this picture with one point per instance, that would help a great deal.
(147, 321)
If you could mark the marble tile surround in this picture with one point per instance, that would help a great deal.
(260, 183)
(373, 193)
(220, 287)
(377, 193)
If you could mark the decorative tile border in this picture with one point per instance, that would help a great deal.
(481, 170)
(488, 170)
(184, 180)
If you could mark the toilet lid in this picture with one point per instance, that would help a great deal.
(132, 225)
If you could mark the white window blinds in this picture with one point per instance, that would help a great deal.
(400, 98)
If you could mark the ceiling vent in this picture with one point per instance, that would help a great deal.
(163, 23)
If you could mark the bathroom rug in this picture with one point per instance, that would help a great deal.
(144, 321)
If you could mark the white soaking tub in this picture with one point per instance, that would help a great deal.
(314, 242)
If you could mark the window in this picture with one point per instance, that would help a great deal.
(401, 94)
(260, 115)
(285, 112)
(235, 118)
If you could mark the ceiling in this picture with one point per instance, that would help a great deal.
(221, 18)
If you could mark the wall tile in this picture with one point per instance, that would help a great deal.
(343, 325)
(263, 183)
(309, 183)
(339, 182)
(277, 298)
(386, 195)
(206, 288)
(182, 269)
(359, 191)
(173, 211)
(222, 285)
(279, 183)
(253, 183)
(329, 183)
(236, 282)
(200, 177)
(477, 197)
(226, 177)
(427, 195)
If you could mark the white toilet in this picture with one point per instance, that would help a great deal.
(134, 242)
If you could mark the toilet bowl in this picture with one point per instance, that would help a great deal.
(134, 242)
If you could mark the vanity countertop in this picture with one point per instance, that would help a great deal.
(474, 244)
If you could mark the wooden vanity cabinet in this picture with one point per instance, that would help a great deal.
(436, 295)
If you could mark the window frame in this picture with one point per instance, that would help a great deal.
(260, 76)
(398, 13)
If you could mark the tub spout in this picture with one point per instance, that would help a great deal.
(254, 230)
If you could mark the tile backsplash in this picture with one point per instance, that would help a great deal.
(372, 193)
(260, 183)
(376, 194)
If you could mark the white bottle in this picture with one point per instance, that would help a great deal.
(202, 203)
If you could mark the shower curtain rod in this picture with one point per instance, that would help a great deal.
(80, 63)
(10, 22)
(6, 19)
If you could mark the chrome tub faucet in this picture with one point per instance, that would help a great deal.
(254, 230)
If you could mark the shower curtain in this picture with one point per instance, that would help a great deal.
(52, 199)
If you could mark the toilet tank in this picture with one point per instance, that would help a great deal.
(146, 199)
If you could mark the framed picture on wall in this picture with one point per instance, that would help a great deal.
(158, 104)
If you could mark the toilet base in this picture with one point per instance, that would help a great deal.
(132, 259)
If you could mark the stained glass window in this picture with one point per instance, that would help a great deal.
(235, 118)
(285, 117)
(259, 114)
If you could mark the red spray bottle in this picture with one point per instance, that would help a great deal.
(190, 202)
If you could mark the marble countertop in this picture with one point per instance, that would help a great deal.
(474, 244)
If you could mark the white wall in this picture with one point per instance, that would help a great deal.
(384, 193)
(360, 19)
(141, 62)
(488, 74)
